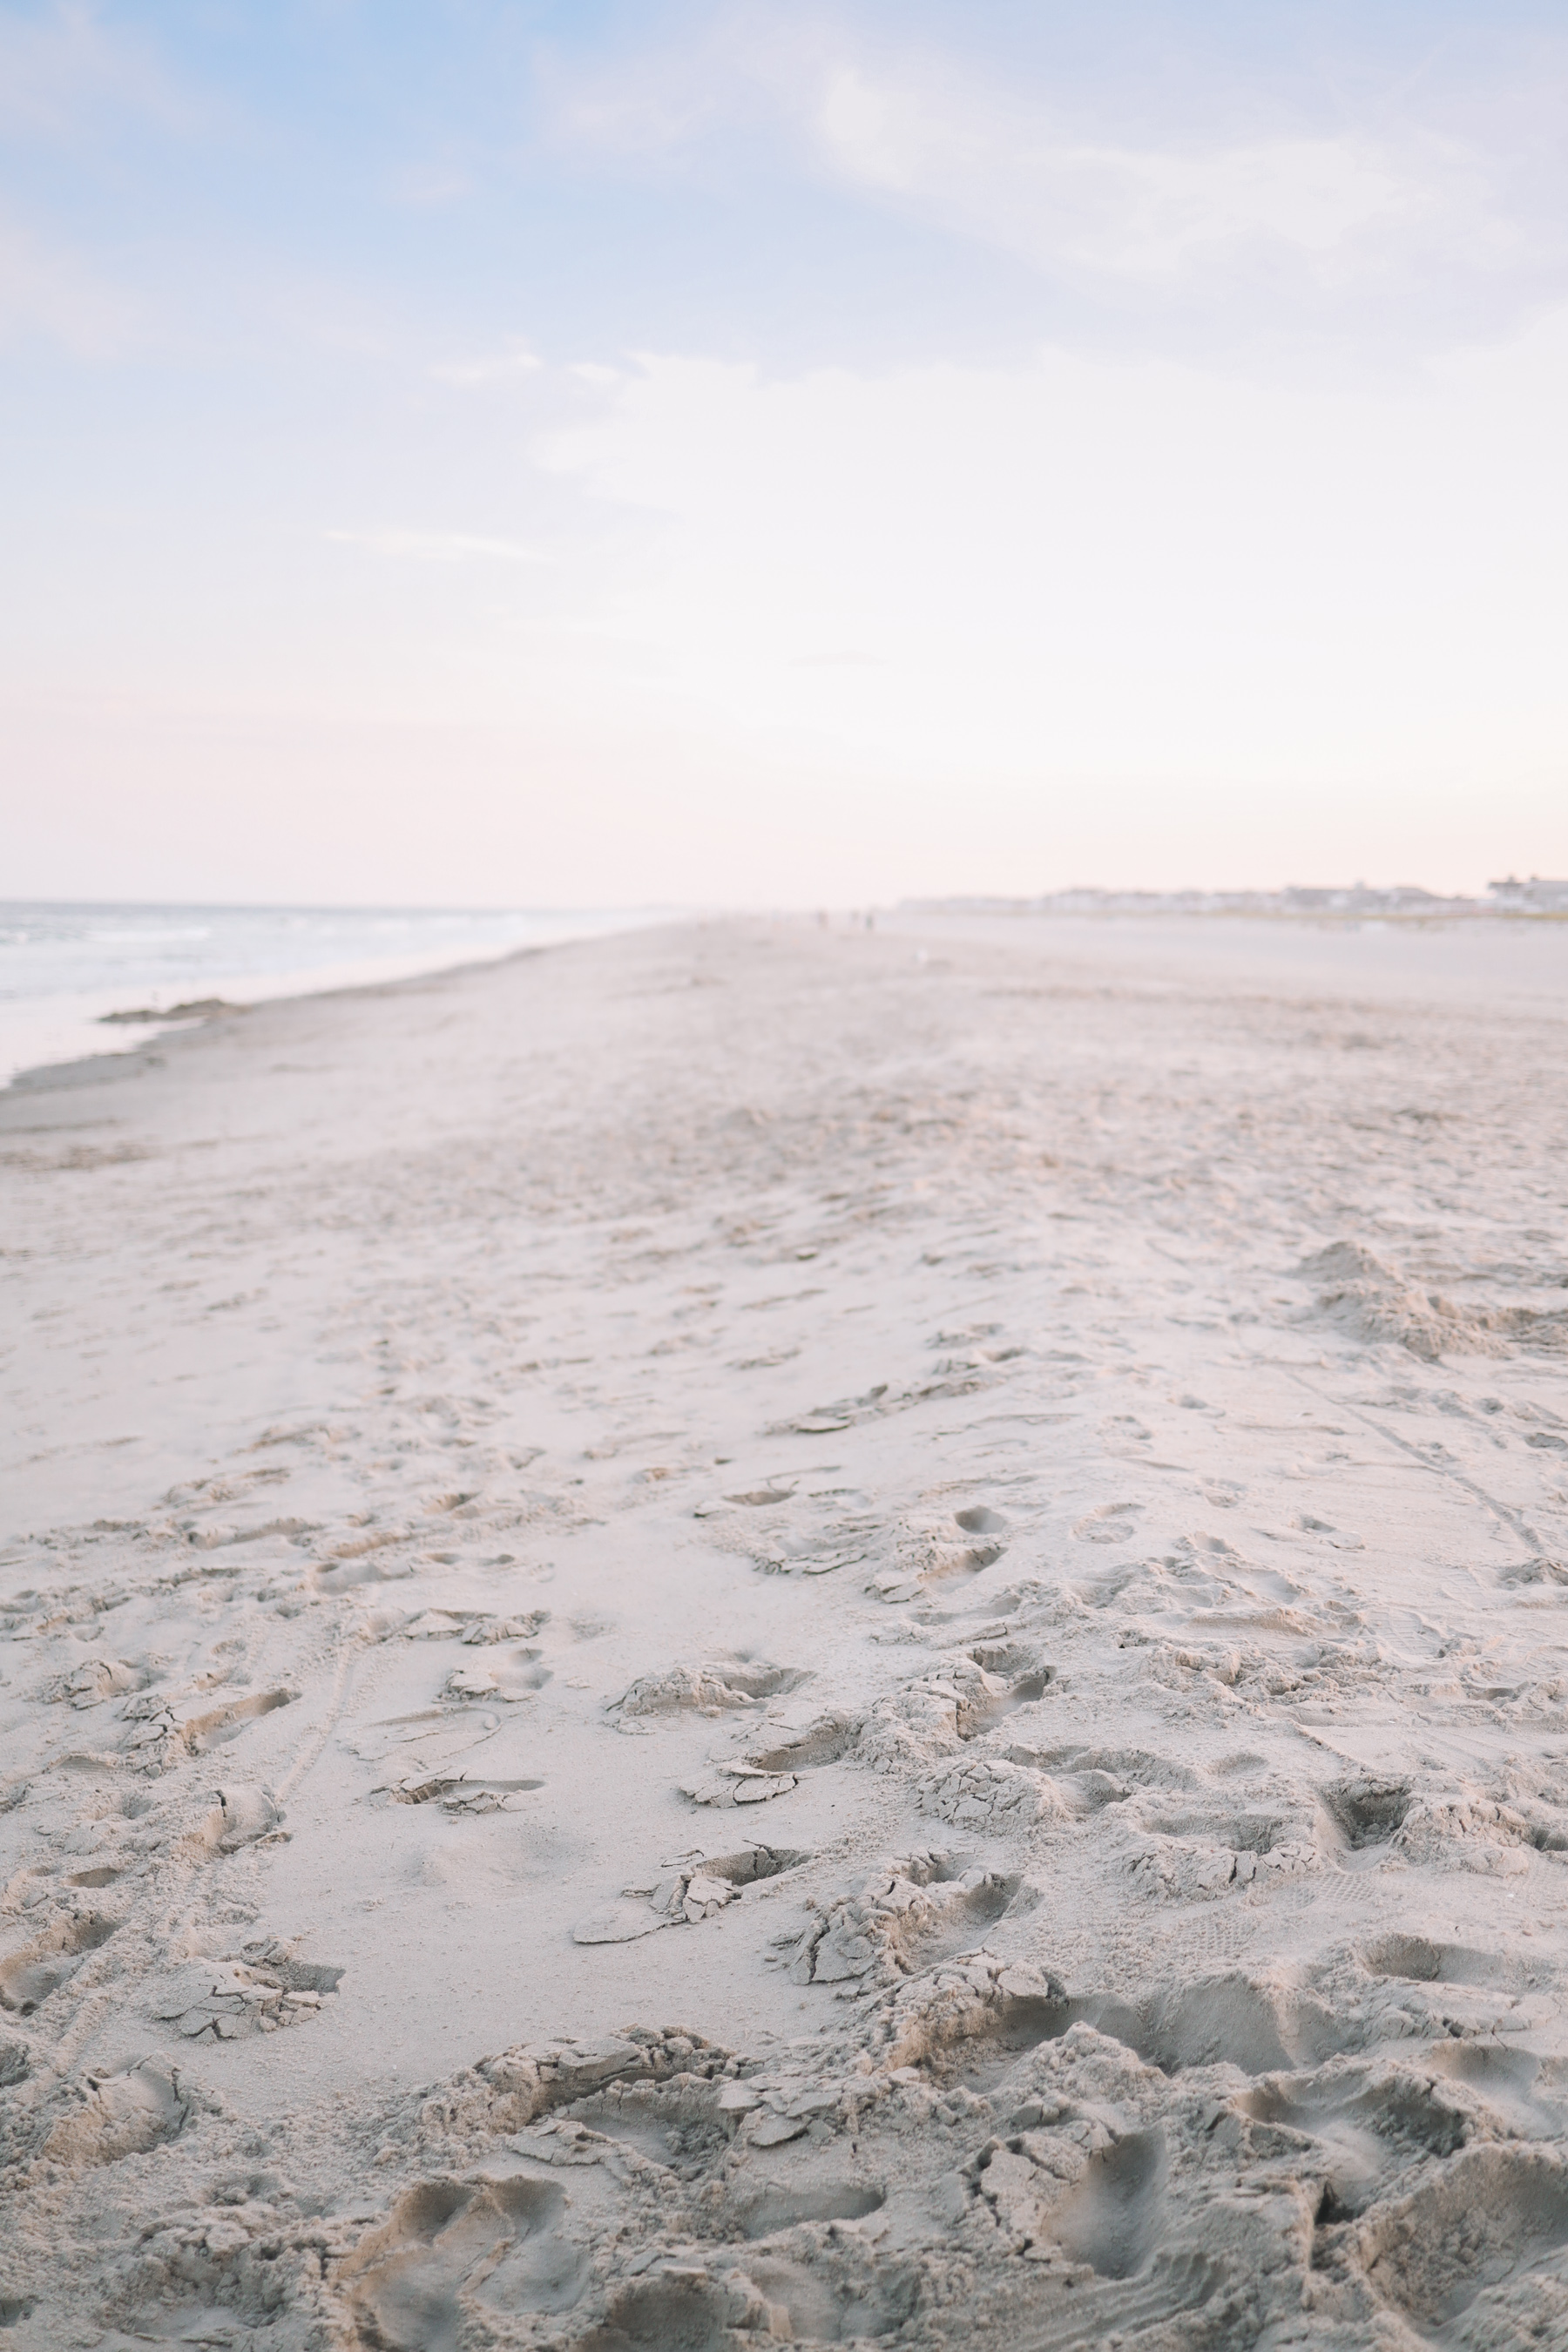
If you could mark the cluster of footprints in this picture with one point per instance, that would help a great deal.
(983, 2152)
(1360, 2149)
(1363, 2150)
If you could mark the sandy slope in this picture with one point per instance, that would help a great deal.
(754, 1633)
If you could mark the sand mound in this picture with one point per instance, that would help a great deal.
(1367, 1299)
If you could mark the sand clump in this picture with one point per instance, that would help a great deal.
(1365, 1298)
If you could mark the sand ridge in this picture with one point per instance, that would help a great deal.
(759, 1633)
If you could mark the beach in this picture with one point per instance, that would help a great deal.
(769, 1631)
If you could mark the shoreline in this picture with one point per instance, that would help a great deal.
(965, 1534)
(71, 1017)
(283, 989)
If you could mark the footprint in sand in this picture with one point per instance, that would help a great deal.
(115, 2116)
(1528, 2093)
(903, 1915)
(974, 2019)
(164, 1732)
(1095, 2192)
(707, 1689)
(1417, 1960)
(990, 1794)
(216, 1727)
(462, 1794)
(1368, 1811)
(241, 1817)
(465, 1757)
(956, 1700)
(726, 1783)
(525, 1628)
(825, 2286)
(772, 1766)
(511, 1679)
(96, 1679)
(1370, 2119)
(452, 2245)
(28, 1977)
(1105, 1775)
(1109, 1523)
(696, 1887)
(1468, 2239)
(801, 1740)
(260, 1989)
(685, 2307)
(928, 1552)
(1264, 2024)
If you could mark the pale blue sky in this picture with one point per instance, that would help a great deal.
(748, 452)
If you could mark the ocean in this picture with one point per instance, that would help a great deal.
(64, 967)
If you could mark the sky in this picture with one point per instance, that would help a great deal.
(495, 451)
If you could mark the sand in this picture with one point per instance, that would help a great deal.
(764, 1632)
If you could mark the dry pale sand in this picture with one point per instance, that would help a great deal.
(753, 1632)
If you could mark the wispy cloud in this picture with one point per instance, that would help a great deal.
(440, 546)
(1425, 208)
(1013, 177)
(63, 67)
(505, 366)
